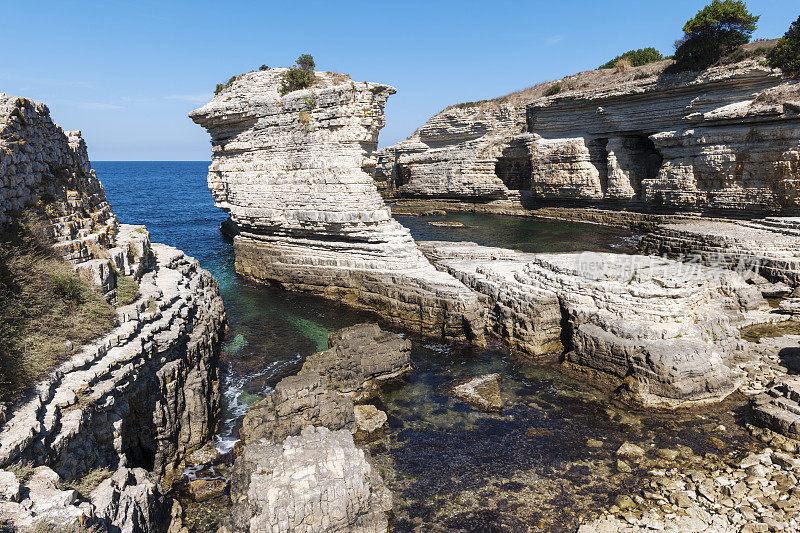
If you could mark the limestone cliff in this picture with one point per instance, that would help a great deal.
(723, 140)
(290, 171)
(132, 403)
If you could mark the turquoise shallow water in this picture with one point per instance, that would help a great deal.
(448, 466)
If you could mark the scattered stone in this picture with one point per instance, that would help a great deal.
(622, 466)
(481, 392)
(629, 451)
(667, 454)
(594, 443)
(370, 422)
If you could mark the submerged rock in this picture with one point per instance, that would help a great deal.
(360, 358)
(290, 171)
(317, 481)
(481, 392)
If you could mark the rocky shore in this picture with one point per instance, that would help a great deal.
(645, 140)
(118, 417)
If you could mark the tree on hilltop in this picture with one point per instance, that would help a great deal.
(786, 54)
(715, 31)
(300, 76)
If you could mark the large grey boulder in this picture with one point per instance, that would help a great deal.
(317, 481)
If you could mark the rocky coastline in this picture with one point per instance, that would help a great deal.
(126, 409)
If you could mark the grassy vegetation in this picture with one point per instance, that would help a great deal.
(553, 90)
(46, 305)
(127, 290)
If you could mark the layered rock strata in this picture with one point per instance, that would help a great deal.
(779, 408)
(133, 403)
(723, 140)
(769, 247)
(289, 170)
(667, 330)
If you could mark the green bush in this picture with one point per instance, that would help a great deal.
(221, 86)
(786, 54)
(637, 58)
(300, 76)
(553, 89)
(263, 67)
(715, 31)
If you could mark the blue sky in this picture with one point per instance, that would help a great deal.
(127, 73)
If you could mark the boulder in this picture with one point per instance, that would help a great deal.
(370, 422)
(314, 482)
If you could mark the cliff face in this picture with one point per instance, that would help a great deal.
(727, 139)
(290, 171)
(137, 400)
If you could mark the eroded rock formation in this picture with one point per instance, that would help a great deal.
(289, 170)
(299, 469)
(314, 482)
(133, 403)
(724, 140)
(667, 330)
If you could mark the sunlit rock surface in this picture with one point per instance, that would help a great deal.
(666, 329)
(290, 171)
(723, 140)
(134, 402)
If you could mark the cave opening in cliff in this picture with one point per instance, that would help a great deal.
(645, 158)
(598, 153)
(402, 175)
(514, 171)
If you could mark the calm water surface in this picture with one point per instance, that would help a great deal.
(449, 467)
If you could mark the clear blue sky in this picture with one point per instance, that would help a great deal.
(127, 73)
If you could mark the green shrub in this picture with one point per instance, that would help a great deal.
(300, 76)
(786, 54)
(553, 89)
(637, 58)
(67, 285)
(263, 68)
(715, 31)
(221, 86)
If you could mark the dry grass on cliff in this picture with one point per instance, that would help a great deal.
(609, 77)
(44, 305)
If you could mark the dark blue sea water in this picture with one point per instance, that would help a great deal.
(446, 464)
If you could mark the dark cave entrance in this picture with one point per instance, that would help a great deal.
(598, 154)
(514, 172)
(402, 175)
(646, 159)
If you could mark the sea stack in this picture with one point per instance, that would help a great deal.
(294, 173)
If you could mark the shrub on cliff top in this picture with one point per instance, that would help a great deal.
(553, 89)
(715, 31)
(300, 76)
(636, 58)
(786, 54)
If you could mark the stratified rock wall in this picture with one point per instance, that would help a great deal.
(667, 330)
(724, 140)
(289, 170)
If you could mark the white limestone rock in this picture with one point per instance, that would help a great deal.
(669, 330)
(306, 216)
(317, 481)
